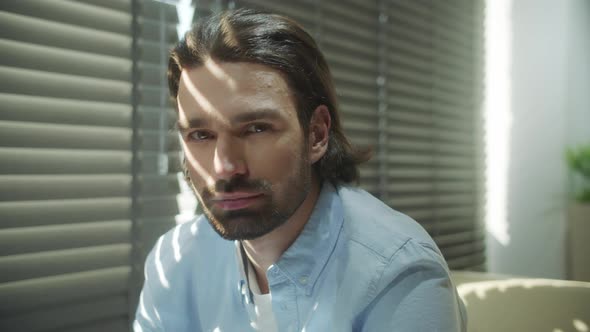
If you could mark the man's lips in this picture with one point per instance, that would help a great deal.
(235, 200)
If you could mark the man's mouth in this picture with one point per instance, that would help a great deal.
(235, 200)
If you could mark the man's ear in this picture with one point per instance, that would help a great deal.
(319, 133)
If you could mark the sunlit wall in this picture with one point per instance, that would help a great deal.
(536, 105)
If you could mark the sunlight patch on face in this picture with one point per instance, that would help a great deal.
(196, 94)
(194, 89)
(195, 164)
(221, 74)
(228, 166)
(223, 163)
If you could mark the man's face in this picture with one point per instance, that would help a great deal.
(245, 150)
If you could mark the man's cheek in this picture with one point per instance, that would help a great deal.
(198, 164)
(197, 179)
(273, 165)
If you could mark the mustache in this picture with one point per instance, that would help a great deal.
(238, 183)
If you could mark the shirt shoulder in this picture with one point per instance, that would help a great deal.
(181, 250)
(172, 277)
(379, 228)
(181, 239)
(397, 257)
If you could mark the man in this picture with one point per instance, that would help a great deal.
(267, 159)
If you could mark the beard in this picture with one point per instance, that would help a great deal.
(276, 205)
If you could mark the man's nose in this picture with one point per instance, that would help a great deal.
(229, 159)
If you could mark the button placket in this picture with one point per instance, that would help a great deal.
(303, 280)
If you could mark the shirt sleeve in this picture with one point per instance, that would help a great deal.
(415, 293)
(147, 318)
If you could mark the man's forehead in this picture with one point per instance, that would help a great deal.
(232, 76)
(210, 72)
(246, 115)
(240, 110)
(220, 91)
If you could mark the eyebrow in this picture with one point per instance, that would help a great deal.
(259, 114)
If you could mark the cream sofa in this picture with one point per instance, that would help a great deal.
(505, 304)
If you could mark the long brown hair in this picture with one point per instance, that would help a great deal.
(245, 35)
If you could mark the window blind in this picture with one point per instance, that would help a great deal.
(433, 87)
(350, 41)
(408, 76)
(83, 188)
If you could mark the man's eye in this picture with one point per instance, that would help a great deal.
(257, 128)
(200, 135)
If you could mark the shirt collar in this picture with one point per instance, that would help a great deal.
(303, 261)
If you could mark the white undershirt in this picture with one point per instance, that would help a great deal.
(265, 318)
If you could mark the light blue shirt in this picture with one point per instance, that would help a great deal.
(358, 265)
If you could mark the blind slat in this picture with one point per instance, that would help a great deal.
(119, 5)
(120, 324)
(458, 238)
(25, 55)
(48, 263)
(150, 28)
(59, 317)
(18, 134)
(347, 61)
(467, 262)
(20, 240)
(27, 161)
(74, 13)
(32, 82)
(344, 44)
(299, 10)
(44, 32)
(22, 296)
(71, 202)
(348, 14)
(63, 111)
(367, 81)
(49, 212)
(41, 187)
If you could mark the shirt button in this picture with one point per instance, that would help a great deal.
(303, 280)
(284, 307)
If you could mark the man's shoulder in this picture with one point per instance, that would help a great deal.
(185, 245)
(179, 266)
(385, 249)
(379, 228)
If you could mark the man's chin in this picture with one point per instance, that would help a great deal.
(243, 227)
(234, 217)
(240, 232)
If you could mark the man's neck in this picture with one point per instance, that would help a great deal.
(267, 249)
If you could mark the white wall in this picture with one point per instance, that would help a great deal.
(547, 109)
(578, 79)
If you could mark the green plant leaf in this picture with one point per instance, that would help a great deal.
(584, 196)
(579, 160)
